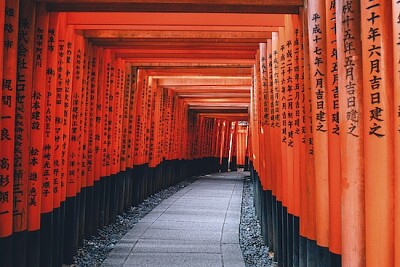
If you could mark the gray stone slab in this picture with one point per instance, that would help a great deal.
(188, 226)
(210, 236)
(188, 218)
(230, 237)
(195, 212)
(173, 259)
(115, 259)
(176, 246)
(230, 256)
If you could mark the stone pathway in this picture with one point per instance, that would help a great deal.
(197, 226)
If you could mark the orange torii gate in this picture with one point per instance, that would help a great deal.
(99, 111)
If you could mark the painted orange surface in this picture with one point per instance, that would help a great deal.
(396, 69)
(378, 118)
(332, 98)
(318, 72)
(351, 137)
(310, 175)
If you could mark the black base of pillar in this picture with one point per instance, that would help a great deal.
(303, 252)
(324, 257)
(6, 251)
(19, 248)
(89, 212)
(46, 240)
(312, 253)
(336, 260)
(60, 237)
(70, 230)
(33, 253)
(296, 241)
(56, 240)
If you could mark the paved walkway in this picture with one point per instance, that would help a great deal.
(197, 226)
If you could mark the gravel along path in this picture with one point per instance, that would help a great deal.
(255, 253)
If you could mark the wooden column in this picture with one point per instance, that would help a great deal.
(332, 97)
(351, 128)
(61, 133)
(304, 155)
(125, 159)
(311, 214)
(377, 51)
(7, 127)
(265, 112)
(48, 192)
(74, 65)
(69, 191)
(2, 19)
(283, 188)
(318, 73)
(396, 55)
(22, 129)
(37, 134)
(297, 101)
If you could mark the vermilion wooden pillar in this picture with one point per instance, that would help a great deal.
(131, 132)
(295, 131)
(91, 206)
(22, 130)
(69, 191)
(105, 161)
(36, 154)
(283, 188)
(351, 132)
(289, 112)
(332, 97)
(318, 73)
(121, 189)
(310, 173)
(297, 99)
(276, 124)
(112, 140)
(396, 70)
(114, 102)
(303, 223)
(265, 111)
(283, 136)
(2, 18)
(233, 160)
(259, 106)
(125, 160)
(7, 124)
(73, 178)
(377, 51)
(270, 148)
(61, 133)
(85, 193)
(48, 191)
(125, 167)
(99, 144)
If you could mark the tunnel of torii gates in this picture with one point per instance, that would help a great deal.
(104, 103)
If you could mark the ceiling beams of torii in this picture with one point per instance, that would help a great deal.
(202, 6)
(201, 50)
